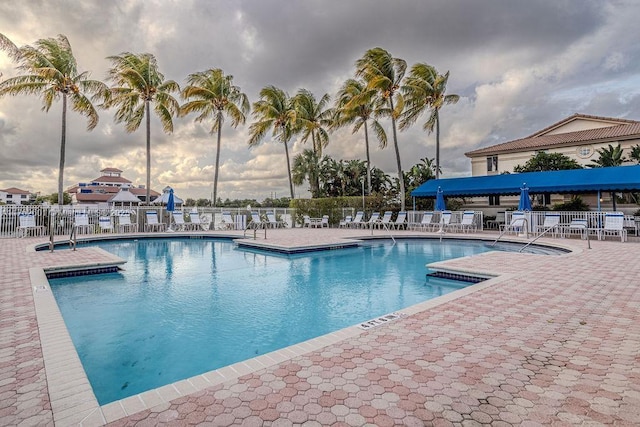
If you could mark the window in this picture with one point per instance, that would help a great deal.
(492, 164)
(494, 200)
(584, 152)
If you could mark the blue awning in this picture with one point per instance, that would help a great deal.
(619, 178)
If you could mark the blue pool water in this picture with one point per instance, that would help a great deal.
(183, 307)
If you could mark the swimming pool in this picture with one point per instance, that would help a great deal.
(183, 307)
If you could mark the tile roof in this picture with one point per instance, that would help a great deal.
(629, 130)
(110, 170)
(611, 120)
(14, 190)
(106, 178)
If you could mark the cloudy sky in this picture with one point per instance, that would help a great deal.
(518, 66)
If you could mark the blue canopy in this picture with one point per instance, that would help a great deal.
(618, 178)
(525, 200)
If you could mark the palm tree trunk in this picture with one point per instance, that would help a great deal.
(366, 144)
(63, 143)
(437, 145)
(148, 192)
(215, 178)
(286, 152)
(398, 161)
(315, 185)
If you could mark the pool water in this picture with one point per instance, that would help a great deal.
(183, 307)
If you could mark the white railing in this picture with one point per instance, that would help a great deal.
(595, 220)
(59, 221)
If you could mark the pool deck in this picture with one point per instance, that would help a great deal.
(551, 340)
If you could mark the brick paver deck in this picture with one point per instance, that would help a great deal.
(554, 340)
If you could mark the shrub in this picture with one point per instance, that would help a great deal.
(575, 204)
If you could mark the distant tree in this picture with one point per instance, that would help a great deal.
(424, 90)
(274, 111)
(543, 161)
(306, 167)
(138, 85)
(52, 199)
(355, 105)
(51, 72)
(384, 73)
(213, 95)
(610, 156)
(635, 153)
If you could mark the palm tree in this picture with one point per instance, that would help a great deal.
(384, 73)
(274, 111)
(306, 165)
(610, 156)
(52, 73)
(137, 85)
(313, 119)
(424, 89)
(355, 105)
(635, 153)
(214, 95)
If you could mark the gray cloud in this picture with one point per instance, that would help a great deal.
(518, 66)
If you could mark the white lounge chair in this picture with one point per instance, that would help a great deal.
(345, 222)
(551, 224)
(385, 221)
(227, 221)
(466, 224)
(256, 221)
(306, 221)
(401, 221)
(425, 223)
(517, 224)
(324, 222)
(443, 223)
(373, 220)
(357, 220)
(198, 221)
(273, 221)
(578, 226)
(27, 223)
(125, 224)
(613, 225)
(181, 224)
(105, 225)
(81, 223)
(152, 222)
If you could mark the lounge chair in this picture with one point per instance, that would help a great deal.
(443, 223)
(273, 221)
(577, 226)
(27, 223)
(181, 224)
(385, 222)
(425, 223)
(401, 221)
(152, 222)
(357, 221)
(306, 221)
(551, 224)
(81, 223)
(373, 219)
(346, 222)
(613, 225)
(466, 224)
(104, 224)
(256, 222)
(518, 223)
(324, 222)
(227, 221)
(125, 224)
(197, 221)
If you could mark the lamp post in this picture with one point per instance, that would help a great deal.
(362, 181)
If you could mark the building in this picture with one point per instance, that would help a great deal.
(578, 137)
(103, 188)
(15, 196)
